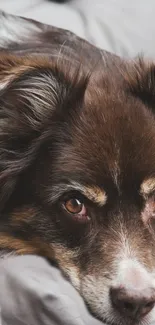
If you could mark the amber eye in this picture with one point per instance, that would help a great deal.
(77, 209)
(74, 206)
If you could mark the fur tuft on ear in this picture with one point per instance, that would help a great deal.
(38, 86)
(32, 92)
(140, 78)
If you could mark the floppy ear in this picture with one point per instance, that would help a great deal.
(32, 91)
(141, 81)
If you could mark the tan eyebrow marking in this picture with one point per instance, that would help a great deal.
(96, 194)
(147, 187)
(93, 193)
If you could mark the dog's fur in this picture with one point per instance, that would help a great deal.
(77, 120)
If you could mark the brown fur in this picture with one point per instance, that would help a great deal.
(64, 122)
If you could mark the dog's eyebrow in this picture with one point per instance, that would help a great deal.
(147, 187)
(93, 193)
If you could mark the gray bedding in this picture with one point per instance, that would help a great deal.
(35, 293)
(123, 27)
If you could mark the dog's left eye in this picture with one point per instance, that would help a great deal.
(77, 208)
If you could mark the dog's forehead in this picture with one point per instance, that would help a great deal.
(113, 137)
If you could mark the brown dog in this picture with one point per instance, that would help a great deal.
(77, 166)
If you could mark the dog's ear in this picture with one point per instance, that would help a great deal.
(140, 79)
(32, 91)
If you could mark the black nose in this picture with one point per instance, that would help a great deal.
(133, 303)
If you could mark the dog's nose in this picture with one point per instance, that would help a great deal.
(132, 302)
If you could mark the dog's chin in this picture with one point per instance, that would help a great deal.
(113, 319)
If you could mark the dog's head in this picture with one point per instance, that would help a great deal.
(77, 178)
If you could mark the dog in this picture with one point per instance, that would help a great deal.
(77, 165)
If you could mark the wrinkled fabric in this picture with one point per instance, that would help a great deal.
(35, 293)
(123, 27)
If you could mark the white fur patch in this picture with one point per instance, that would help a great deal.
(132, 273)
(74, 277)
(3, 84)
(147, 187)
(128, 267)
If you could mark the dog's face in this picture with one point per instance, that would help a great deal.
(78, 179)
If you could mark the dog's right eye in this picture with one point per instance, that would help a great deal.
(76, 208)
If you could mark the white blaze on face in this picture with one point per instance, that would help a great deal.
(132, 274)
